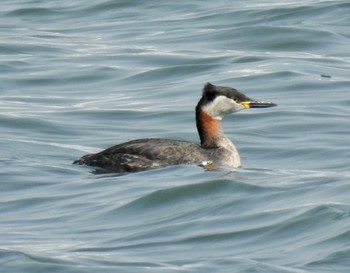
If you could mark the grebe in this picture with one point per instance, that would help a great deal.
(216, 148)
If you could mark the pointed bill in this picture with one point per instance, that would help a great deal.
(257, 104)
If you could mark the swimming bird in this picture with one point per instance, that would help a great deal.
(215, 147)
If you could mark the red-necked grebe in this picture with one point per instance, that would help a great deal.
(215, 147)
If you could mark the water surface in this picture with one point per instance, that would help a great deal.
(78, 77)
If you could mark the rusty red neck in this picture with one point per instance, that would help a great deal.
(209, 130)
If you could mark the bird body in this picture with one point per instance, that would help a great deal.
(215, 147)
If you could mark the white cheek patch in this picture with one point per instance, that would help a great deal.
(222, 106)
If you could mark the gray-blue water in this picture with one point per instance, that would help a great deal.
(80, 76)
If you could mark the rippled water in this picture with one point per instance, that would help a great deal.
(80, 76)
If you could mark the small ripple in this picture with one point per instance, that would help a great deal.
(162, 74)
(22, 260)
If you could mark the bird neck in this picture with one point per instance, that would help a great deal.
(209, 130)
